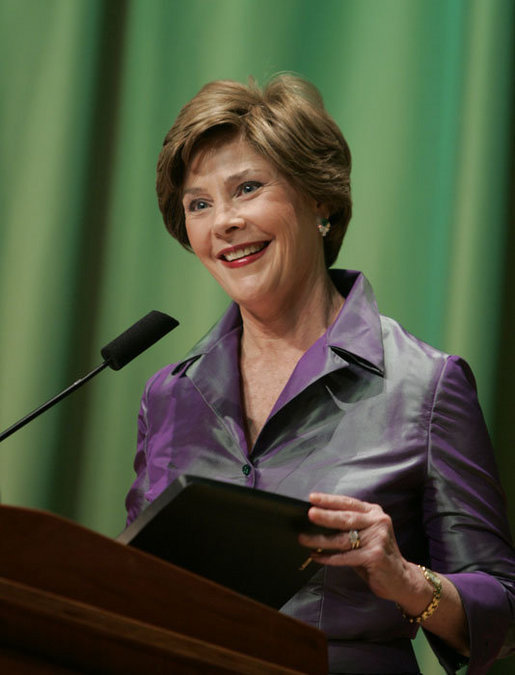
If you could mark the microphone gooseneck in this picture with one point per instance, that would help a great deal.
(142, 335)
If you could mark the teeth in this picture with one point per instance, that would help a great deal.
(242, 252)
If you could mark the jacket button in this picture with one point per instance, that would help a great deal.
(246, 469)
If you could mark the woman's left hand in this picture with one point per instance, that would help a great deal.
(375, 556)
(364, 540)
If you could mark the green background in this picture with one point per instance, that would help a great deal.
(424, 93)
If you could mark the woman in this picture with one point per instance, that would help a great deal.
(304, 389)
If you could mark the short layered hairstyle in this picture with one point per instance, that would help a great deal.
(286, 123)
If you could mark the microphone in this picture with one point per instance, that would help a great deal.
(118, 353)
(143, 334)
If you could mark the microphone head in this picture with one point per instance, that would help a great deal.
(143, 334)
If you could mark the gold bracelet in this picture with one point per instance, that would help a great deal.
(436, 583)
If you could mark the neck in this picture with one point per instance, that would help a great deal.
(294, 324)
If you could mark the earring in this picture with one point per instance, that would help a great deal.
(323, 226)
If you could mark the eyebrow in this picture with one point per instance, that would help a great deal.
(230, 179)
(192, 191)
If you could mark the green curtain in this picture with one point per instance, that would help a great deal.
(423, 91)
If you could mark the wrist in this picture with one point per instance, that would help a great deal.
(423, 602)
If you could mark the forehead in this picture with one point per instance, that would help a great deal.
(224, 156)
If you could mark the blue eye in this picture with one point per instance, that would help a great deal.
(249, 187)
(197, 205)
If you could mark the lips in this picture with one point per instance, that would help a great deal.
(242, 254)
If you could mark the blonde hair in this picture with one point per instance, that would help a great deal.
(286, 123)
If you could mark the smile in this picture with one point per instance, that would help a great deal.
(238, 253)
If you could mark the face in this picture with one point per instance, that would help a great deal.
(252, 230)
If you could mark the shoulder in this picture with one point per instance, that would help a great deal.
(158, 386)
(443, 384)
(383, 342)
(163, 377)
(401, 343)
(416, 358)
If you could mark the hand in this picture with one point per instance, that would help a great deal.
(377, 559)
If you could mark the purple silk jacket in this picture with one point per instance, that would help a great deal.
(371, 412)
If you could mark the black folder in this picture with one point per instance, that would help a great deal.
(242, 538)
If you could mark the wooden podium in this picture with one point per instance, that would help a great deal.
(73, 601)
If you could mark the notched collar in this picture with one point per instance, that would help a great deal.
(355, 336)
(229, 323)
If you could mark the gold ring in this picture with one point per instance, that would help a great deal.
(355, 541)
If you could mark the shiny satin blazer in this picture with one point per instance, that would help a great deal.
(371, 412)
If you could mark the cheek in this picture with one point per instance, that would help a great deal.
(197, 238)
(284, 222)
(300, 229)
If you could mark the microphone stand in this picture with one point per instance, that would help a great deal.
(120, 351)
(38, 411)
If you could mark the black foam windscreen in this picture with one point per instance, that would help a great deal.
(143, 334)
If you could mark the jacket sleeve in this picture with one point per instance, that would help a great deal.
(465, 520)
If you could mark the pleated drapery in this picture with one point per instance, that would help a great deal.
(423, 92)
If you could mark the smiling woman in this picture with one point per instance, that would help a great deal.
(304, 389)
(254, 231)
(286, 124)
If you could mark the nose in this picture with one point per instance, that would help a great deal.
(227, 220)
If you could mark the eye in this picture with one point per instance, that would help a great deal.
(197, 205)
(249, 187)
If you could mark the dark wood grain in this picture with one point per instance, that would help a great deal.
(63, 584)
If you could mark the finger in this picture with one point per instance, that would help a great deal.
(341, 541)
(338, 502)
(338, 541)
(340, 520)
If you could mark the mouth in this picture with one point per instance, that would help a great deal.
(243, 254)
